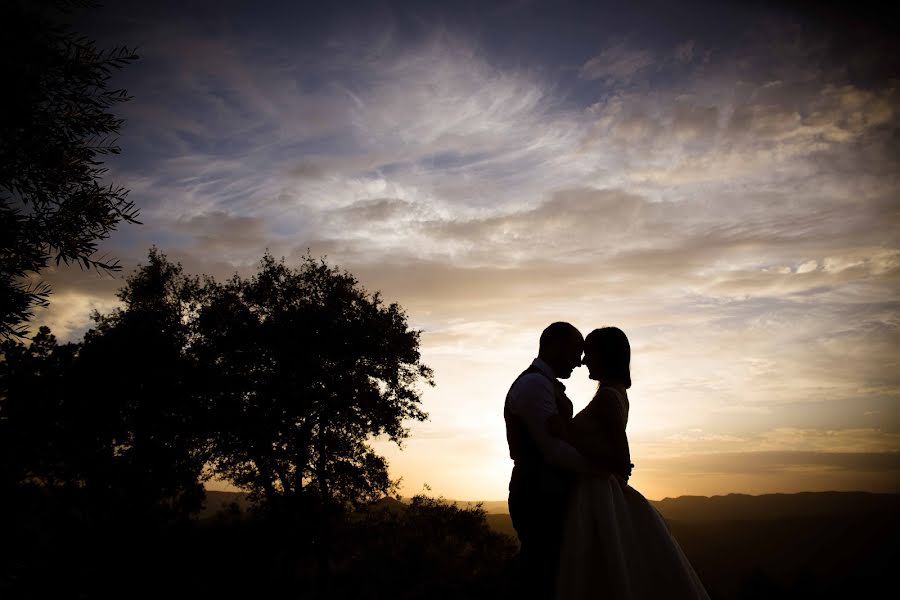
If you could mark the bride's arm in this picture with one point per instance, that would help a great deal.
(589, 441)
(594, 443)
(600, 437)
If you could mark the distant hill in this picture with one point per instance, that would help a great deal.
(491, 507)
(747, 507)
(775, 506)
(501, 523)
(742, 507)
(732, 507)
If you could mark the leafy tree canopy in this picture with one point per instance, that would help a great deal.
(303, 367)
(277, 383)
(32, 385)
(113, 417)
(55, 126)
(144, 416)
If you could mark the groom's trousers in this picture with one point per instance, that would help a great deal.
(537, 518)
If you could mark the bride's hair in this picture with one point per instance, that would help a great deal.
(614, 352)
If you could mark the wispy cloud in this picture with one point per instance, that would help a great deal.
(618, 63)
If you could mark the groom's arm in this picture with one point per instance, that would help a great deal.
(534, 403)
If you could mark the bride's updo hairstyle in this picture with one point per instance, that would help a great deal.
(613, 352)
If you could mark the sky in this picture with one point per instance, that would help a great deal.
(719, 180)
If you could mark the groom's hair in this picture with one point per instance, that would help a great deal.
(557, 332)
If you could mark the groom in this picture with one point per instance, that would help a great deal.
(544, 465)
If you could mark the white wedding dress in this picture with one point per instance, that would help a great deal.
(616, 546)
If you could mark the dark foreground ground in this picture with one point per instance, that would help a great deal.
(817, 545)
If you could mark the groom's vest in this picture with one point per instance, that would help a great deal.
(531, 470)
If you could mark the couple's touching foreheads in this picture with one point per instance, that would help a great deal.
(583, 531)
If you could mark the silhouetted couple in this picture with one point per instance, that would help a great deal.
(584, 532)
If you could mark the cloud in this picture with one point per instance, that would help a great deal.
(784, 460)
(69, 315)
(684, 52)
(786, 440)
(617, 62)
(767, 472)
(306, 170)
(732, 206)
(218, 230)
(745, 463)
(367, 212)
(469, 145)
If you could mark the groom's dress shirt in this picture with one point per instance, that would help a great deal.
(532, 398)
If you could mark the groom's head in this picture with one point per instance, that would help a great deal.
(561, 346)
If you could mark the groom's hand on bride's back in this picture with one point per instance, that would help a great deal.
(557, 426)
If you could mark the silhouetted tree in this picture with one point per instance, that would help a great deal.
(279, 381)
(115, 416)
(54, 127)
(148, 435)
(33, 387)
(302, 368)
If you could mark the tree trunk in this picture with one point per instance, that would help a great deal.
(325, 525)
(266, 477)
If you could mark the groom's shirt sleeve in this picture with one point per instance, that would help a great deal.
(533, 400)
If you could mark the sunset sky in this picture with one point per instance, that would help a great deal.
(720, 180)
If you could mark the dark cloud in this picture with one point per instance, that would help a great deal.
(306, 170)
(221, 233)
(685, 52)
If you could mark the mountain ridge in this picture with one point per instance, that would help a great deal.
(727, 507)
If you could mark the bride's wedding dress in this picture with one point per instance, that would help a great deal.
(615, 545)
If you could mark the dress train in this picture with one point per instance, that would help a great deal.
(616, 546)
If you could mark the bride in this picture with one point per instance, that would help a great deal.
(615, 544)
